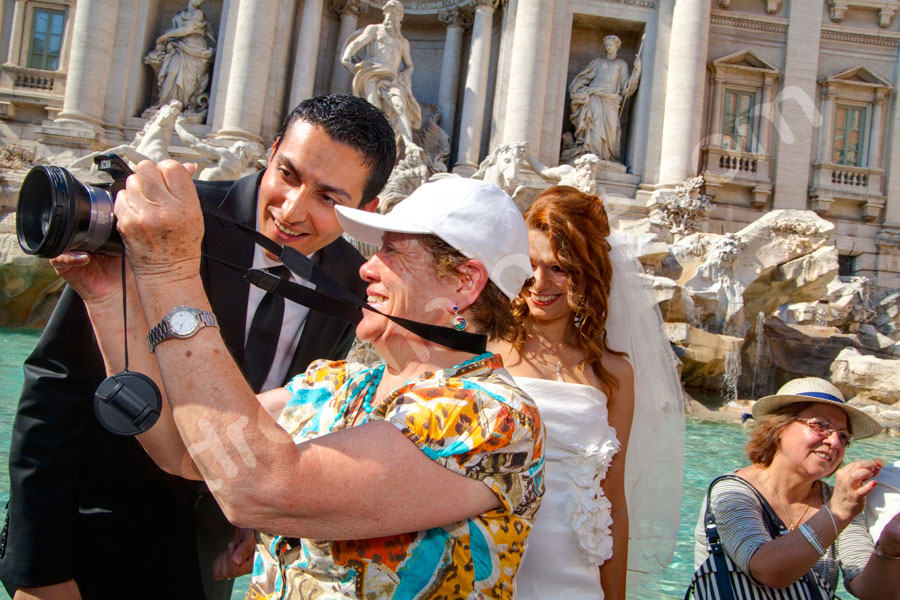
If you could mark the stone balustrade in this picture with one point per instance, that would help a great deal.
(858, 185)
(744, 169)
(24, 86)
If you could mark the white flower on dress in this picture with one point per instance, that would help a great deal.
(590, 513)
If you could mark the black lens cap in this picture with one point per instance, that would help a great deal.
(127, 403)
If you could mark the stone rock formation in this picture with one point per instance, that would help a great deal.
(29, 287)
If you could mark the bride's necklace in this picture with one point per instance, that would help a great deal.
(784, 506)
(553, 351)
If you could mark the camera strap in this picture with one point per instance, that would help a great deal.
(329, 297)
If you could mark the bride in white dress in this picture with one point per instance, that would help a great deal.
(597, 365)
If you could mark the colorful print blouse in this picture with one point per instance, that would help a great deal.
(470, 420)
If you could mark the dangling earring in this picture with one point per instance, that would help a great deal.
(578, 318)
(459, 323)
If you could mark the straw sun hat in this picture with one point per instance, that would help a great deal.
(814, 389)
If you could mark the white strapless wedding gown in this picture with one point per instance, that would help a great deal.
(571, 535)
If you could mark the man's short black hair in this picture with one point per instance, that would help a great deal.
(355, 122)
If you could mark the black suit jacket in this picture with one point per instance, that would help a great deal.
(91, 506)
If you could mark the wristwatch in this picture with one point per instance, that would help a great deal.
(182, 322)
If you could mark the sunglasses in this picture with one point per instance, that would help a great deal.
(823, 430)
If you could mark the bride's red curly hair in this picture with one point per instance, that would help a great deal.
(578, 228)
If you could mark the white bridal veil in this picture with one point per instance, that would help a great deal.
(655, 459)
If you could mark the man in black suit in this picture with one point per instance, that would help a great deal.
(90, 515)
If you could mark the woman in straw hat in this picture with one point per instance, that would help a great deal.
(800, 438)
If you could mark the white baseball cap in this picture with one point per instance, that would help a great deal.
(475, 217)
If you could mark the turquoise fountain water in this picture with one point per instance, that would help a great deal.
(710, 449)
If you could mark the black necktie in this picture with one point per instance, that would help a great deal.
(262, 340)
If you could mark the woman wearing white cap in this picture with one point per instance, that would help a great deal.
(416, 478)
(594, 358)
(799, 439)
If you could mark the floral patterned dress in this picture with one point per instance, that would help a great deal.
(470, 419)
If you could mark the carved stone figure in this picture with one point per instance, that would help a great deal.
(182, 58)
(433, 139)
(420, 161)
(582, 175)
(409, 173)
(683, 211)
(383, 75)
(501, 166)
(598, 94)
(13, 156)
(152, 142)
(224, 164)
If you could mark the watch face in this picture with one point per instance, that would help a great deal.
(183, 322)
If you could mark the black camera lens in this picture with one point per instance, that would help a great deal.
(57, 213)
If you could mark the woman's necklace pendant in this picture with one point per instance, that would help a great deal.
(559, 374)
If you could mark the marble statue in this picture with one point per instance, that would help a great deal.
(581, 175)
(151, 143)
(182, 58)
(410, 172)
(383, 73)
(223, 163)
(501, 166)
(598, 94)
(684, 210)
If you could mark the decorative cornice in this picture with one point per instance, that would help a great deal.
(772, 6)
(858, 37)
(644, 3)
(886, 9)
(426, 7)
(745, 21)
(455, 17)
(348, 7)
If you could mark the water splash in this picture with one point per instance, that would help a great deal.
(732, 374)
(760, 354)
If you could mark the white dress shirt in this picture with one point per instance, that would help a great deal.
(291, 326)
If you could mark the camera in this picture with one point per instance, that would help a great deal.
(57, 213)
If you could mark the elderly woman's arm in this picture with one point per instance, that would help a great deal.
(881, 573)
(97, 279)
(780, 562)
(368, 481)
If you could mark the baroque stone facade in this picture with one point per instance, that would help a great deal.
(777, 105)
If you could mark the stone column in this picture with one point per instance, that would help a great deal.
(305, 60)
(249, 69)
(796, 104)
(715, 124)
(875, 137)
(349, 11)
(826, 131)
(528, 80)
(684, 91)
(13, 49)
(447, 88)
(767, 118)
(475, 96)
(89, 64)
